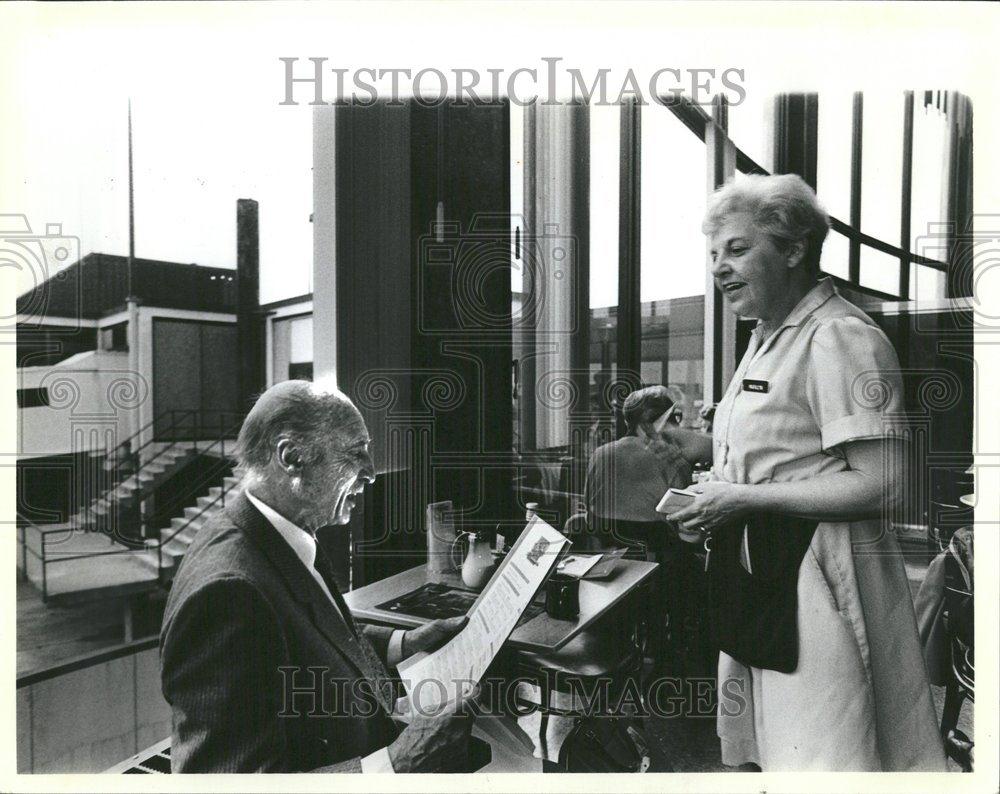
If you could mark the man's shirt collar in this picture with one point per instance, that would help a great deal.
(301, 541)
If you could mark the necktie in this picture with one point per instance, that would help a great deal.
(325, 568)
(376, 671)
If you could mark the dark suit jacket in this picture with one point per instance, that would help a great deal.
(249, 640)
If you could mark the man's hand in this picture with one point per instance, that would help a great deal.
(433, 635)
(433, 743)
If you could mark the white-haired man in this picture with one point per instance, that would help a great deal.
(261, 662)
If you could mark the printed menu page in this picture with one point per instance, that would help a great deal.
(438, 680)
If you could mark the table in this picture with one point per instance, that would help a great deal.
(540, 634)
(512, 749)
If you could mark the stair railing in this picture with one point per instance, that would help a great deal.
(42, 555)
(226, 488)
(136, 454)
(226, 431)
(177, 420)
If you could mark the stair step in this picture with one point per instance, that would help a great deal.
(181, 526)
(151, 560)
(178, 546)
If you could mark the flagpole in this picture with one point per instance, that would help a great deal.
(131, 206)
(139, 416)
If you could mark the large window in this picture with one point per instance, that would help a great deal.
(672, 273)
(293, 349)
(605, 155)
(629, 192)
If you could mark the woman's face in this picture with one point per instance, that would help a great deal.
(750, 270)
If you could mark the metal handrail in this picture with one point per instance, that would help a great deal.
(140, 492)
(86, 660)
(694, 117)
(161, 543)
(24, 523)
(43, 557)
(136, 454)
(180, 501)
(225, 433)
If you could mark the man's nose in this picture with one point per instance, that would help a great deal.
(367, 472)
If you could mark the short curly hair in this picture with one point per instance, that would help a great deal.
(783, 205)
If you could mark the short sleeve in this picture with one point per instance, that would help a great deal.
(853, 381)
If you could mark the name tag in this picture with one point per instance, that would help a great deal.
(755, 385)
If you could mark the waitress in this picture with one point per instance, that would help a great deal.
(800, 439)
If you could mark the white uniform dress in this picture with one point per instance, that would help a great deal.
(859, 698)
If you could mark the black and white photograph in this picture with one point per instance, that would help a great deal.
(498, 391)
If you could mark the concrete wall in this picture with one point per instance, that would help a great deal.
(92, 399)
(91, 719)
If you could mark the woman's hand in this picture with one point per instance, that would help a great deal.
(717, 503)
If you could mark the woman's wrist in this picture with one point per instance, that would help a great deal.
(747, 498)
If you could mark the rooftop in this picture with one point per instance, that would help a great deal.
(97, 285)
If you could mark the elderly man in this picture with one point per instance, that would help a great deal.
(263, 665)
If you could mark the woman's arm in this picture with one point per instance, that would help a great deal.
(860, 492)
(865, 490)
(696, 447)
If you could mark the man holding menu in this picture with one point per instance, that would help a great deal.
(261, 661)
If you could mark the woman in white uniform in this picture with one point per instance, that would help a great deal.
(805, 430)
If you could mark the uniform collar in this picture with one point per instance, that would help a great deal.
(812, 300)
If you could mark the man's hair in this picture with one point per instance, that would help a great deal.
(309, 414)
(643, 405)
(783, 206)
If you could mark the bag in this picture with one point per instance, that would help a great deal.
(753, 614)
(604, 744)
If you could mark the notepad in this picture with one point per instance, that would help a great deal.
(591, 566)
(675, 499)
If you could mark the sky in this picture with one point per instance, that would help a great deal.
(200, 143)
(206, 84)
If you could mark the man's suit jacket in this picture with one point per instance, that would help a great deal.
(248, 640)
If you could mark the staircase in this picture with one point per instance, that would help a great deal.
(108, 511)
(91, 554)
(174, 540)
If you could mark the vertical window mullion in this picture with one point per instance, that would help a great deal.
(857, 122)
(906, 197)
(629, 242)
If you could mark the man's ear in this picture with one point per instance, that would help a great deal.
(289, 456)
(796, 253)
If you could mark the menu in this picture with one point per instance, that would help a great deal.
(439, 680)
